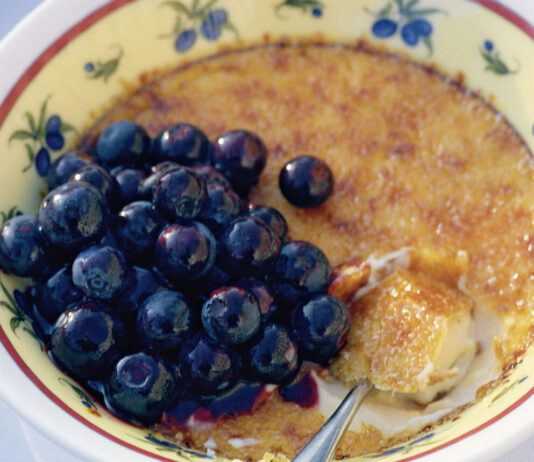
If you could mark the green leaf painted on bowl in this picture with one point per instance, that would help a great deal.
(103, 69)
(506, 389)
(493, 60)
(315, 7)
(167, 445)
(12, 212)
(85, 399)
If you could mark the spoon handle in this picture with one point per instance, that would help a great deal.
(322, 446)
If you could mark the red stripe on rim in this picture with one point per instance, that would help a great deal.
(34, 69)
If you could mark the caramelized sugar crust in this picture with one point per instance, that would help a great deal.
(417, 160)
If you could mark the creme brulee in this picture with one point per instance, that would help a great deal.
(419, 163)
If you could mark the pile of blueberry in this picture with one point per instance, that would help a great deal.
(152, 278)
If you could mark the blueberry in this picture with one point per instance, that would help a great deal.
(222, 206)
(184, 252)
(21, 246)
(409, 34)
(64, 166)
(210, 30)
(129, 181)
(182, 143)
(86, 339)
(217, 16)
(306, 181)
(137, 227)
(384, 28)
(57, 294)
(100, 272)
(146, 187)
(122, 142)
(231, 315)
(264, 295)
(55, 141)
(272, 356)
(322, 325)
(142, 387)
(180, 193)
(42, 161)
(301, 270)
(271, 217)
(102, 180)
(249, 247)
(211, 175)
(53, 124)
(142, 283)
(422, 27)
(185, 40)
(207, 369)
(241, 156)
(165, 320)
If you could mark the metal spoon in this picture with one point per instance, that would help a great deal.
(322, 447)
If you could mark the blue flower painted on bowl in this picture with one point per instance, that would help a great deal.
(314, 7)
(43, 135)
(199, 19)
(408, 17)
(493, 60)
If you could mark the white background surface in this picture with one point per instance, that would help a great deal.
(19, 442)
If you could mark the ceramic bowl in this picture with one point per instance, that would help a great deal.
(71, 58)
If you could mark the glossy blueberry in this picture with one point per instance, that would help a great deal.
(73, 214)
(185, 40)
(301, 270)
(142, 387)
(182, 143)
(102, 180)
(122, 142)
(222, 207)
(384, 28)
(129, 181)
(206, 368)
(409, 34)
(100, 272)
(147, 185)
(422, 27)
(273, 356)
(55, 141)
(64, 166)
(264, 295)
(184, 252)
(210, 30)
(231, 315)
(141, 284)
(322, 325)
(165, 320)
(137, 226)
(217, 16)
(180, 193)
(21, 246)
(249, 247)
(271, 217)
(241, 156)
(306, 181)
(86, 339)
(57, 294)
(211, 175)
(42, 161)
(53, 124)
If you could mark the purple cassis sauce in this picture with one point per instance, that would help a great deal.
(303, 392)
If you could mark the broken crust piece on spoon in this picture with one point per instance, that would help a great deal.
(412, 329)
